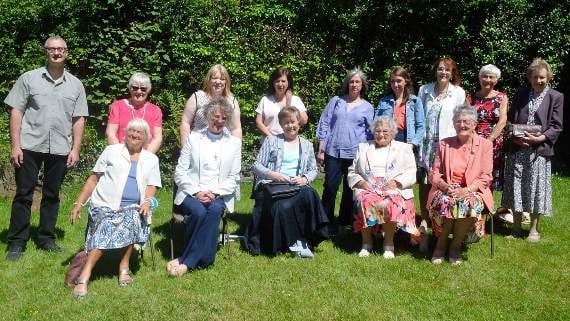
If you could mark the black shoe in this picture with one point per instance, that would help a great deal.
(51, 247)
(14, 252)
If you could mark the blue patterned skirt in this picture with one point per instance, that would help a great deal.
(109, 229)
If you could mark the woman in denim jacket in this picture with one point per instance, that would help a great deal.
(406, 109)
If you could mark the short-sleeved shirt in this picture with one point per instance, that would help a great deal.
(269, 109)
(49, 107)
(121, 113)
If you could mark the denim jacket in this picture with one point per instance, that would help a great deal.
(415, 128)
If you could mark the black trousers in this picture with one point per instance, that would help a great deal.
(336, 169)
(55, 167)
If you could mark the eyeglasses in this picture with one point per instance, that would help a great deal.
(55, 49)
(135, 88)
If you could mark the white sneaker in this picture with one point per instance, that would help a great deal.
(363, 253)
(388, 255)
(455, 261)
(437, 260)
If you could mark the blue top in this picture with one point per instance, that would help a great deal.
(290, 161)
(415, 128)
(342, 130)
(131, 193)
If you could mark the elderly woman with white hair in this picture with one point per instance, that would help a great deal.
(491, 107)
(120, 191)
(460, 178)
(382, 176)
(206, 176)
(536, 118)
(137, 105)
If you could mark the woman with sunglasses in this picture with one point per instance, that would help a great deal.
(122, 111)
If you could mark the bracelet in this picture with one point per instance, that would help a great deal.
(79, 203)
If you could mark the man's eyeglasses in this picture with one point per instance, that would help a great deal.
(55, 49)
(135, 88)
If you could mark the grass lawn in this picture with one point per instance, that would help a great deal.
(522, 282)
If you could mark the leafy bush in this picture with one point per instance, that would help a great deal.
(177, 41)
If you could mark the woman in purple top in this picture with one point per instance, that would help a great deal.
(345, 122)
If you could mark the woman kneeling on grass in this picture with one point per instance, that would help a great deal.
(116, 221)
(382, 176)
(460, 179)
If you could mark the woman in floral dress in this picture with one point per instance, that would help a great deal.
(527, 186)
(491, 107)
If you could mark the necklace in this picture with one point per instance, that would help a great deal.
(133, 110)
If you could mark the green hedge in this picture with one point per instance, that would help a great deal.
(177, 41)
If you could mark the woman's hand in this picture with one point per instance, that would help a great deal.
(278, 177)
(321, 157)
(300, 180)
(205, 196)
(144, 209)
(531, 139)
(458, 192)
(75, 213)
(391, 185)
(362, 184)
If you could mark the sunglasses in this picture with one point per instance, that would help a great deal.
(135, 88)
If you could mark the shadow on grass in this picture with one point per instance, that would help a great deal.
(164, 230)
(59, 234)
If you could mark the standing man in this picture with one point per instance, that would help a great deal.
(47, 110)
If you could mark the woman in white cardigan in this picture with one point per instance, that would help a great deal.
(206, 175)
(382, 176)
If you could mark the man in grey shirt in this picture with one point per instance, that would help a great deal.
(47, 116)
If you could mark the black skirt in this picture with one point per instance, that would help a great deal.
(278, 224)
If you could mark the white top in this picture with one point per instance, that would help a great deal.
(210, 162)
(455, 96)
(378, 160)
(113, 167)
(269, 108)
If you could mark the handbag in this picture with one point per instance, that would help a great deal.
(518, 130)
(281, 190)
(75, 267)
(277, 190)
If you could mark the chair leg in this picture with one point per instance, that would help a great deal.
(151, 244)
(492, 236)
(171, 239)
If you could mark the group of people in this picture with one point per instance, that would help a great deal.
(459, 147)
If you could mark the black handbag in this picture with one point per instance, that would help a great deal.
(276, 190)
(281, 190)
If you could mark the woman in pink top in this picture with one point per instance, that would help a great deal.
(460, 178)
(136, 106)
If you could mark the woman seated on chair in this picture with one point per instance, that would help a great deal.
(382, 176)
(460, 176)
(295, 223)
(206, 175)
(117, 220)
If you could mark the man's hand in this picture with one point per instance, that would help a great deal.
(17, 157)
(72, 158)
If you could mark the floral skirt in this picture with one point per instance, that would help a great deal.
(109, 229)
(444, 206)
(373, 209)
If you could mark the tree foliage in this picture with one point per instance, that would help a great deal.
(177, 41)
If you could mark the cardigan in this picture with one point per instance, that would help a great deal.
(549, 116)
